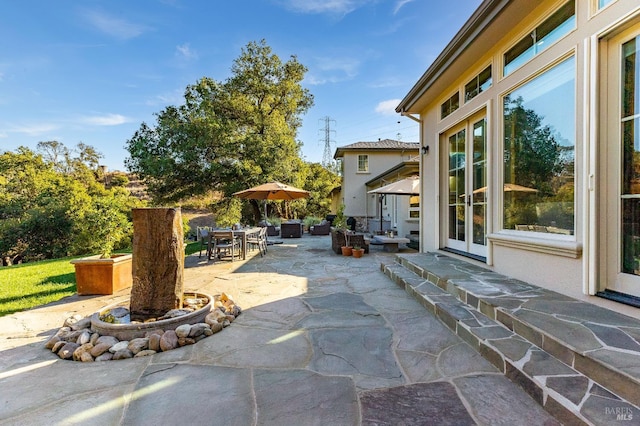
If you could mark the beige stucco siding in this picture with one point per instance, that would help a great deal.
(566, 273)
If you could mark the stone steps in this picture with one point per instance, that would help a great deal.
(578, 361)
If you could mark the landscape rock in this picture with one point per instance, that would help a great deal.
(84, 337)
(168, 341)
(99, 349)
(184, 341)
(75, 340)
(123, 354)
(139, 344)
(119, 346)
(52, 341)
(198, 329)
(183, 330)
(66, 352)
(107, 356)
(110, 340)
(154, 342)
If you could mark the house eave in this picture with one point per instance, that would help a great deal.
(472, 33)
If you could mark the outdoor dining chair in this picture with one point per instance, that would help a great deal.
(224, 243)
(202, 235)
(259, 241)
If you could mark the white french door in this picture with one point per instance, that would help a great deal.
(621, 192)
(467, 187)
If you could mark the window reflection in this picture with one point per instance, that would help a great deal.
(630, 190)
(539, 158)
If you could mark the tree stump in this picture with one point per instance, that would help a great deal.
(158, 262)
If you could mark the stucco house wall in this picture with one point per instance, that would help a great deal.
(579, 262)
(382, 155)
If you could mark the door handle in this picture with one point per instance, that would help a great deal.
(469, 200)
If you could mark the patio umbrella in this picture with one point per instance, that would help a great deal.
(407, 186)
(508, 187)
(272, 191)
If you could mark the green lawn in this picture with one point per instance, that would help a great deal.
(33, 284)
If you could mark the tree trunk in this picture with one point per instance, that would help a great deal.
(158, 262)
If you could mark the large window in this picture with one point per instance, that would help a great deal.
(450, 105)
(479, 84)
(552, 29)
(539, 158)
(363, 163)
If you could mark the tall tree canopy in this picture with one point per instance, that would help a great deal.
(229, 135)
(48, 213)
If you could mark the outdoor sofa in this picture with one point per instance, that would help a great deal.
(323, 228)
(291, 230)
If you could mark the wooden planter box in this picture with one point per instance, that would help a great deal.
(103, 276)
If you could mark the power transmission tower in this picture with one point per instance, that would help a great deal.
(326, 157)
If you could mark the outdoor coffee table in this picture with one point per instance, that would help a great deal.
(390, 244)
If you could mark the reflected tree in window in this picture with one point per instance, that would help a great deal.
(538, 172)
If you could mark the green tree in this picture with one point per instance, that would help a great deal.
(227, 136)
(45, 213)
(320, 181)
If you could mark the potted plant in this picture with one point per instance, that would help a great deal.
(357, 251)
(340, 223)
(104, 273)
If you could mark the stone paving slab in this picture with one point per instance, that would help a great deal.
(323, 339)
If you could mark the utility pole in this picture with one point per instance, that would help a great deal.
(326, 157)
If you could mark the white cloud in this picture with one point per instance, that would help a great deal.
(185, 51)
(334, 7)
(332, 70)
(170, 98)
(399, 5)
(388, 107)
(34, 130)
(105, 120)
(113, 26)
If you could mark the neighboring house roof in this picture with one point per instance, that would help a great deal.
(381, 145)
(481, 31)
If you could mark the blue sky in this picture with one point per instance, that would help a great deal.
(93, 71)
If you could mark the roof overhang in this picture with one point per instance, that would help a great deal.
(399, 171)
(491, 21)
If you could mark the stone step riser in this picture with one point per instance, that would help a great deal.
(443, 299)
(619, 383)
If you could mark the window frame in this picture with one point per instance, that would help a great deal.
(468, 95)
(448, 106)
(364, 169)
(530, 42)
(507, 233)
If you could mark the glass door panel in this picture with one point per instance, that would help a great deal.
(630, 123)
(623, 224)
(479, 186)
(467, 189)
(457, 183)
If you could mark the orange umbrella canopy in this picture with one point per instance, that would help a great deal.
(272, 191)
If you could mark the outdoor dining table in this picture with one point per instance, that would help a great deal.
(243, 233)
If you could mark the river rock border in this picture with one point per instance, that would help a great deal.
(76, 341)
